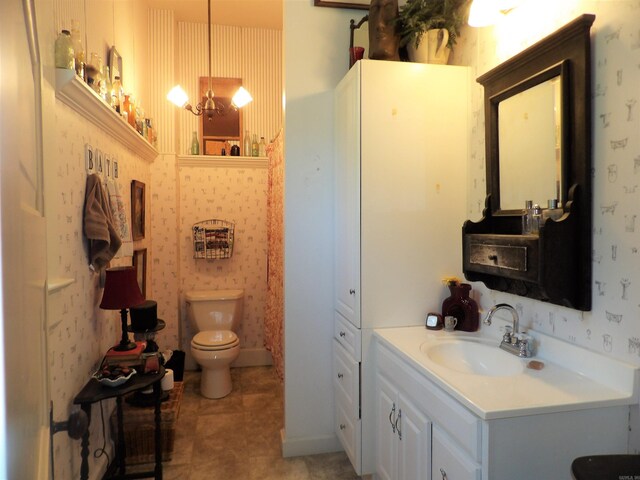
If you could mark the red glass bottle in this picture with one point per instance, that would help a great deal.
(461, 306)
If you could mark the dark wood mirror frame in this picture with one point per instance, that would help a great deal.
(553, 265)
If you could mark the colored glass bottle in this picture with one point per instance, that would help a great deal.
(195, 146)
(64, 51)
(461, 306)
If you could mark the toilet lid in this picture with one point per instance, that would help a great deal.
(215, 340)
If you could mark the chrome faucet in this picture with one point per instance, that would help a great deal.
(513, 341)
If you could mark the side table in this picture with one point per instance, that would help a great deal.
(94, 392)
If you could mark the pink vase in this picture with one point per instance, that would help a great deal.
(461, 306)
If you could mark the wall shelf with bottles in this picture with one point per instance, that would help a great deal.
(75, 93)
(214, 161)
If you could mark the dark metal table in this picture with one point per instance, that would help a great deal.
(94, 392)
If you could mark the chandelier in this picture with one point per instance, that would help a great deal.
(208, 106)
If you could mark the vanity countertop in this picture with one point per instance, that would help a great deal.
(573, 378)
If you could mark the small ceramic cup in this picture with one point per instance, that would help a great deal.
(450, 323)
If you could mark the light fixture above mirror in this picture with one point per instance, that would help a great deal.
(208, 107)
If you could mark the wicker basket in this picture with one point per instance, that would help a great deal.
(139, 428)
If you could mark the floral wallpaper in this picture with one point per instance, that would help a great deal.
(611, 327)
(274, 314)
(79, 332)
(237, 195)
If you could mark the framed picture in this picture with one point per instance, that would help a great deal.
(358, 4)
(140, 264)
(137, 210)
(115, 64)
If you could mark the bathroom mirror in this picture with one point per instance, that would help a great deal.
(538, 148)
(530, 144)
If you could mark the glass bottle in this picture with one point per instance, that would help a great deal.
(247, 144)
(106, 88)
(460, 305)
(262, 148)
(117, 94)
(527, 217)
(255, 149)
(78, 49)
(552, 211)
(64, 51)
(536, 219)
(195, 146)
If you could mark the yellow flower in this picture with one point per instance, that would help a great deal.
(452, 280)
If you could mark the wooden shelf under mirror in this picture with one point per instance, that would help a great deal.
(544, 89)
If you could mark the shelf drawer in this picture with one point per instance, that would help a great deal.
(513, 256)
(347, 335)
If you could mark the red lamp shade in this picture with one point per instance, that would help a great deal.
(121, 289)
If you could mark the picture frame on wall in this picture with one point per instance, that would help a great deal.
(137, 209)
(357, 4)
(140, 264)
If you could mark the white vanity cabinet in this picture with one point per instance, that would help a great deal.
(424, 432)
(400, 182)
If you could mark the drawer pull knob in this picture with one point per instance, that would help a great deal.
(343, 334)
(342, 426)
(398, 424)
(493, 258)
(444, 474)
(340, 375)
(352, 292)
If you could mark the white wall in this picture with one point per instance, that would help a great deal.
(316, 42)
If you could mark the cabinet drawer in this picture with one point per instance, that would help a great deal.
(347, 335)
(463, 426)
(349, 433)
(449, 462)
(514, 256)
(346, 379)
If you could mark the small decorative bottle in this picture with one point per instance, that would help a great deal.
(117, 94)
(64, 51)
(262, 148)
(78, 49)
(195, 146)
(247, 144)
(461, 306)
(536, 219)
(527, 217)
(255, 148)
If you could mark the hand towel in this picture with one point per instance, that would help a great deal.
(120, 219)
(98, 226)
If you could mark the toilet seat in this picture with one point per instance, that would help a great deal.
(213, 340)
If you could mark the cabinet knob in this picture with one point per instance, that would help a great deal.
(342, 426)
(352, 292)
(493, 258)
(340, 375)
(444, 474)
(343, 334)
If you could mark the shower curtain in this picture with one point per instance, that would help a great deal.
(274, 311)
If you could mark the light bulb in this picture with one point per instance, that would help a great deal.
(178, 96)
(241, 98)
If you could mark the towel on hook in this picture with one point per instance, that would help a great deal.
(120, 219)
(98, 225)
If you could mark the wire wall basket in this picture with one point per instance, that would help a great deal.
(213, 239)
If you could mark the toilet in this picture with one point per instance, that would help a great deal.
(214, 316)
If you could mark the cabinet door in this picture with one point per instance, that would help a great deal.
(414, 435)
(449, 462)
(347, 199)
(386, 438)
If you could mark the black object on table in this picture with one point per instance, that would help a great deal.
(149, 335)
(606, 467)
(94, 392)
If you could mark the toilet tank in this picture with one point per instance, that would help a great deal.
(214, 309)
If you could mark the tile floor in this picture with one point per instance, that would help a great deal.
(238, 437)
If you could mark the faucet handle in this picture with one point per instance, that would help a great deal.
(507, 334)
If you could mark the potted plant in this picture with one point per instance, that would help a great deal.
(443, 17)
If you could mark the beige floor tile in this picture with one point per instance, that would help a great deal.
(269, 468)
(330, 466)
(223, 466)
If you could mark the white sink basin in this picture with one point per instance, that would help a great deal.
(473, 357)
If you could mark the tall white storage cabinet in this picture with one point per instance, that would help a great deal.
(401, 138)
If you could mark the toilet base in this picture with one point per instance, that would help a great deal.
(215, 383)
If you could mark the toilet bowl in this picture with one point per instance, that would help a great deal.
(214, 315)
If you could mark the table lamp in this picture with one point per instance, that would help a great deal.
(121, 291)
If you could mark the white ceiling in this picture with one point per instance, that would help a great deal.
(242, 13)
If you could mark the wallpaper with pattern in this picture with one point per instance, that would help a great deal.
(613, 325)
(79, 331)
(237, 195)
